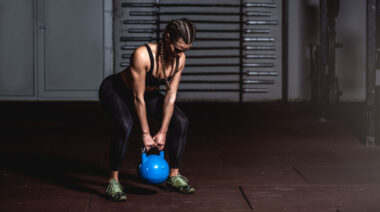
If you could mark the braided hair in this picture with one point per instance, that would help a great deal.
(176, 29)
(180, 28)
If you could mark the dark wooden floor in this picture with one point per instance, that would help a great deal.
(54, 157)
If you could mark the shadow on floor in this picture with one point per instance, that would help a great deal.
(64, 172)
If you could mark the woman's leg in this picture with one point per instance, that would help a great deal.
(177, 139)
(176, 144)
(117, 108)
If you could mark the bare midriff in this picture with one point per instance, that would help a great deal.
(126, 77)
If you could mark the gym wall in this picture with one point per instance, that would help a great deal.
(350, 60)
(53, 50)
(262, 73)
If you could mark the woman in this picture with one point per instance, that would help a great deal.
(134, 94)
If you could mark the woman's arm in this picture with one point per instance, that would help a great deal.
(138, 69)
(168, 105)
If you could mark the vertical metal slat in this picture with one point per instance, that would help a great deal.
(371, 72)
(241, 53)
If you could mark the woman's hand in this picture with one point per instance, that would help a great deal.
(160, 138)
(148, 141)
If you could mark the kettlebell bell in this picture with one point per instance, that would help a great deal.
(153, 168)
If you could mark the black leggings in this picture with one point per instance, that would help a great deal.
(117, 101)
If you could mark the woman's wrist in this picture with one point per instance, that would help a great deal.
(163, 131)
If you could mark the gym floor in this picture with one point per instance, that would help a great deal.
(264, 157)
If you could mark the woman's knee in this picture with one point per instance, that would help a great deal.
(180, 122)
(125, 127)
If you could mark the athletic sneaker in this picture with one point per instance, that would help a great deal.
(179, 184)
(115, 191)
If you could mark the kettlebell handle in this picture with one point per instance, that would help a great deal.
(143, 153)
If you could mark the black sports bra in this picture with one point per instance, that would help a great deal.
(151, 81)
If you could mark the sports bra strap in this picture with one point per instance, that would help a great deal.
(151, 58)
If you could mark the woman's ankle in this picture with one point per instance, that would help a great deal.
(111, 178)
(173, 172)
(114, 175)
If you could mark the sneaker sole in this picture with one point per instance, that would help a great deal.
(174, 189)
(115, 200)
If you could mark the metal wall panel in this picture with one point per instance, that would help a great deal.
(54, 50)
(17, 49)
(266, 31)
(75, 48)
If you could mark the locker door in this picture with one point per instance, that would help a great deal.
(72, 49)
(17, 50)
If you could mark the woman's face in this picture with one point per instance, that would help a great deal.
(178, 48)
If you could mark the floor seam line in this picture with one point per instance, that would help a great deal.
(300, 174)
(245, 197)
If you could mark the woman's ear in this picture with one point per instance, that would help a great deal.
(169, 39)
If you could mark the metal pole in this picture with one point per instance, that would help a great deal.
(371, 73)
(323, 54)
(246, 39)
(261, 48)
(241, 53)
(246, 90)
(248, 73)
(206, 57)
(255, 22)
(285, 51)
(150, 5)
(247, 31)
(158, 21)
(202, 65)
(143, 13)
(253, 82)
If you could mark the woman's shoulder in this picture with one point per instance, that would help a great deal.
(140, 57)
(142, 50)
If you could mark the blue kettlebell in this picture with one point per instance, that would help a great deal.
(153, 168)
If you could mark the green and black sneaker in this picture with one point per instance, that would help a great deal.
(115, 191)
(179, 184)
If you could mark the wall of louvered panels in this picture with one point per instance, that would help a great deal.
(237, 53)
